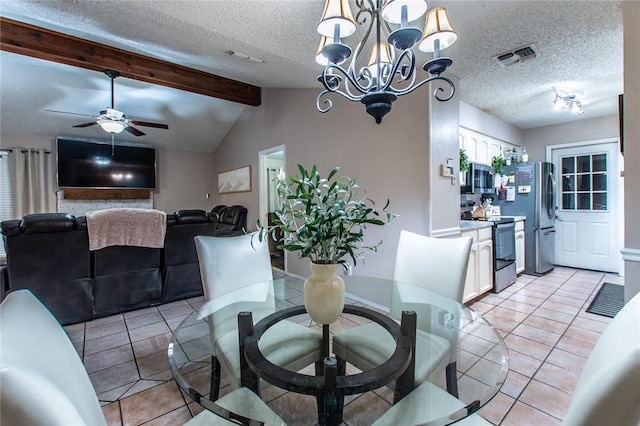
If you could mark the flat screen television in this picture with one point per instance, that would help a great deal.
(87, 164)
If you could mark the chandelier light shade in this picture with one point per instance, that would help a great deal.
(111, 126)
(392, 10)
(391, 70)
(320, 58)
(382, 51)
(437, 27)
(337, 16)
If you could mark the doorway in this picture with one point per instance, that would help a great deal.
(589, 199)
(271, 163)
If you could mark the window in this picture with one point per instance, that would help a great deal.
(584, 182)
(6, 205)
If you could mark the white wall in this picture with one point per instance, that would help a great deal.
(391, 160)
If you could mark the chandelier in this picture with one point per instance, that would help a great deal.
(391, 69)
(568, 103)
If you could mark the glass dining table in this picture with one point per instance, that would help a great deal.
(415, 326)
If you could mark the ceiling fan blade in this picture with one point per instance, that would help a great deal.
(146, 123)
(91, 123)
(66, 112)
(134, 131)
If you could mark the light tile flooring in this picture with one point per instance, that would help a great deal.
(543, 320)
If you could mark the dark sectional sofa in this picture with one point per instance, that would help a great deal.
(49, 254)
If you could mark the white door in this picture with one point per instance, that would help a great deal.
(588, 225)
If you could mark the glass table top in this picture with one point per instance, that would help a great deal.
(450, 340)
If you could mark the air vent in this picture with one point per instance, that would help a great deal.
(515, 56)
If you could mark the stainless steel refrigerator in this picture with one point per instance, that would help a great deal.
(531, 192)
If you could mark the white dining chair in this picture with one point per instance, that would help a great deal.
(437, 264)
(240, 268)
(43, 380)
(607, 392)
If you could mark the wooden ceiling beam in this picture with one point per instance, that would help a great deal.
(25, 39)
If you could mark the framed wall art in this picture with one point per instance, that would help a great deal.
(236, 180)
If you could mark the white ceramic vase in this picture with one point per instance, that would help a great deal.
(324, 293)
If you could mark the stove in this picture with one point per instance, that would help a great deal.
(504, 252)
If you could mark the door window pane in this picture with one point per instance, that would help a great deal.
(600, 182)
(584, 163)
(568, 201)
(600, 163)
(600, 201)
(584, 201)
(584, 182)
(568, 183)
(568, 165)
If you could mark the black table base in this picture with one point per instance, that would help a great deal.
(330, 384)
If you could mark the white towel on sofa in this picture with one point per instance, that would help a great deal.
(126, 227)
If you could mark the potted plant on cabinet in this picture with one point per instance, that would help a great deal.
(464, 161)
(324, 219)
(498, 164)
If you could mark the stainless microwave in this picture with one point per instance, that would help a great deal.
(477, 180)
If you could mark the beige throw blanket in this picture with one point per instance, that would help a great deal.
(126, 227)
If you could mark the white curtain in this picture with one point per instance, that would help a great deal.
(31, 181)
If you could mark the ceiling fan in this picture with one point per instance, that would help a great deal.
(113, 121)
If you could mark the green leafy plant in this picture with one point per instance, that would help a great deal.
(464, 161)
(498, 164)
(324, 219)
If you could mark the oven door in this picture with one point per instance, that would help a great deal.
(504, 254)
(504, 240)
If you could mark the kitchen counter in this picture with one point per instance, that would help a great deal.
(479, 224)
(466, 225)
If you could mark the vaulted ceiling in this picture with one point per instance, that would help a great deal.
(578, 44)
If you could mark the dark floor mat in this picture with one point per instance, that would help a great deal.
(608, 301)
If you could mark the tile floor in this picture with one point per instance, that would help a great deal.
(543, 320)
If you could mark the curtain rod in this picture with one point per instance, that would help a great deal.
(26, 150)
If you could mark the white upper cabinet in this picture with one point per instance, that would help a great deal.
(481, 148)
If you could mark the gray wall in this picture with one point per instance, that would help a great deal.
(631, 253)
(391, 160)
(537, 140)
(482, 122)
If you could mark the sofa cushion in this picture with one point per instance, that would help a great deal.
(191, 216)
(47, 222)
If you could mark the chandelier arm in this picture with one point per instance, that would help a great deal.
(436, 92)
(335, 87)
(361, 19)
(404, 76)
(327, 102)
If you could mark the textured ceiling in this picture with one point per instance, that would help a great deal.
(580, 46)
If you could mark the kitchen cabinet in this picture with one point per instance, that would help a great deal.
(479, 278)
(520, 247)
(481, 148)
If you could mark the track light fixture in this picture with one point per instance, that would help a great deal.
(568, 103)
(391, 69)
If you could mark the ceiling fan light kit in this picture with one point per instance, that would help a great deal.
(111, 126)
(391, 70)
